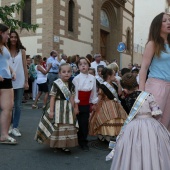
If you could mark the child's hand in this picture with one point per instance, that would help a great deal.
(51, 115)
(122, 97)
(91, 114)
(76, 111)
(117, 82)
(94, 107)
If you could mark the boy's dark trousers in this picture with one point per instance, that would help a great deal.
(83, 121)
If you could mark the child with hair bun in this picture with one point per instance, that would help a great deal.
(143, 143)
(109, 116)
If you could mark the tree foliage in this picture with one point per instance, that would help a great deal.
(7, 18)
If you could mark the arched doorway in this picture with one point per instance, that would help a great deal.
(109, 31)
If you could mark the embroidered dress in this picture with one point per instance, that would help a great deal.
(59, 132)
(109, 116)
(144, 143)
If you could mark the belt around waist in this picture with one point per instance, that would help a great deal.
(53, 73)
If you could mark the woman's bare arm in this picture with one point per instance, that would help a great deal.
(146, 61)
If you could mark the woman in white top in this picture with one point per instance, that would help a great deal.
(6, 90)
(41, 80)
(18, 64)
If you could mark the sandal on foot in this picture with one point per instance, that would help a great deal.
(66, 150)
(9, 140)
(101, 138)
(34, 106)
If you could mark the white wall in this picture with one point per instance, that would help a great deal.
(86, 25)
(86, 8)
(71, 47)
(31, 45)
(145, 11)
(85, 29)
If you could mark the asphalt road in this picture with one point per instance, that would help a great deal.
(29, 155)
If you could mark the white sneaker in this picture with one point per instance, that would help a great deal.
(16, 132)
(10, 129)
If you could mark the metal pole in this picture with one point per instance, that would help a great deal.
(120, 61)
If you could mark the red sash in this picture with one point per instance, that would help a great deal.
(84, 97)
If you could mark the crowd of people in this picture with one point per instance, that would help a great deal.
(88, 96)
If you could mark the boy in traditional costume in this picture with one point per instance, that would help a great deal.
(56, 126)
(85, 87)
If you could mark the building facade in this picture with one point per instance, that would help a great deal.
(79, 27)
(142, 21)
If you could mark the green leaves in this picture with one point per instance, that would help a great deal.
(6, 15)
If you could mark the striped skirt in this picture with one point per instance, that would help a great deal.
(58, 132)
(64, 136)
(60, 136)
(108, 118)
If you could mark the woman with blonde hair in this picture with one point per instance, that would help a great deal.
(113, 66)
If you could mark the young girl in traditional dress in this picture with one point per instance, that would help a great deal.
(85, 85)
(143, 143)
(99, 77)
(109, 117)
(56, 126)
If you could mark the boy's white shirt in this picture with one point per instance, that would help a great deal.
(85, 82)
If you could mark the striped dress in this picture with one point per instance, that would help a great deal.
(109, 116)
(59, 132)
